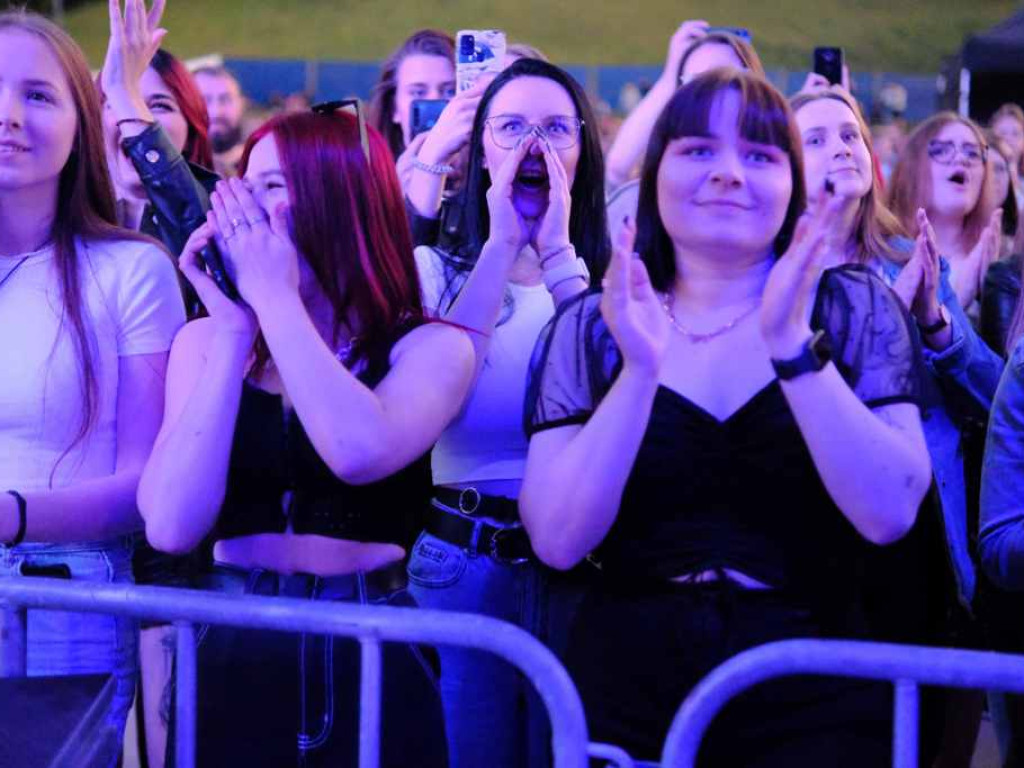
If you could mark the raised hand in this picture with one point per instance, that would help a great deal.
(688, 33)
(231, 317)
(785, 306)
(508, 227)
(925, 302)
(265, 261)
(968, 280)
(552, 231)
(632, 310)
(135, 37)
(452, 130)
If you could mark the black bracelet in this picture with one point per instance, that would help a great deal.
(22, 519)
(938, 325)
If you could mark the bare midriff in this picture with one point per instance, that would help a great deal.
(288, 553)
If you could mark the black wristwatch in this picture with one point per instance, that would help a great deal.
(816, 354)
(938, 325)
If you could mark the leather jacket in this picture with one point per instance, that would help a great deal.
(999, 296)
(178, 192)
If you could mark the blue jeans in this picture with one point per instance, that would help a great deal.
(493, 715)
(61, 643)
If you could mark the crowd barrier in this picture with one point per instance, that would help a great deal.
(370, 625)
(906, 666)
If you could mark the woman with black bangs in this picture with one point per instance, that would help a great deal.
(683, 428)
(533, 225)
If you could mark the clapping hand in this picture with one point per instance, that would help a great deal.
(631, 308)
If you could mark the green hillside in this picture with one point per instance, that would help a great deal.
(885, 35)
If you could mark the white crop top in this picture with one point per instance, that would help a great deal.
(486, 440)
(131, 305)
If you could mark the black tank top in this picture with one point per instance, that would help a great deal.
(276, 477)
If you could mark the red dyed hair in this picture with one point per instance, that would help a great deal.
(349, 223)
(190, 101)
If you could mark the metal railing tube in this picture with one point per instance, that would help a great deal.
(390, 624)
(369, 703)
(841, 658)
(906, 705)
(185, 696)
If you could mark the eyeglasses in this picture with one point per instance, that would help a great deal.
(944, 152)
(330, 107)
(561, 131)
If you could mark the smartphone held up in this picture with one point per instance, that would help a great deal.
(478, 52)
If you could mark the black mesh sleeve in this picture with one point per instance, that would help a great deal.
(573, 365)
(873, 343)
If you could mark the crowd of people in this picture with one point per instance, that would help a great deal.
(731, 377)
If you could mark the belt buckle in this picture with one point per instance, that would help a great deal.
(469, 501)
(495, 542)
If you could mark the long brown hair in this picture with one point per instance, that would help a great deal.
(911, 187)
(85, 198)
(426, 42)
(1014, 112)
(875, 228)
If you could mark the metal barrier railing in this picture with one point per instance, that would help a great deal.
(906, 666)
(371, 625)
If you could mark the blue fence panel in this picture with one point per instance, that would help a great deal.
(336, 80)
(265, 79)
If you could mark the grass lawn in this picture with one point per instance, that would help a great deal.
(878, 35)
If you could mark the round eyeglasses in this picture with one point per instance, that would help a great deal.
(561, 131)
(944, 152)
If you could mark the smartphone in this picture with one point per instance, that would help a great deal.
(740, 32)
(210, 257)
(828, 62)
(423, 114)
(477, 51)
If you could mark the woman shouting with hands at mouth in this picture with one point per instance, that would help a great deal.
(534, 226)
(728, 427)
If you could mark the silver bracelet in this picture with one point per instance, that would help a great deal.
(571, 269)
(437, 169)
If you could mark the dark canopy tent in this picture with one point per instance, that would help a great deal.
(995, 61)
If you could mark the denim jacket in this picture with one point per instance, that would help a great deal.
(1001, 535)
(966, 374)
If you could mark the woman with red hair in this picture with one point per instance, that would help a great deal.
(297, 437)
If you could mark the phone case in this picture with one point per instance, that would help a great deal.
(211, 258)
(477, 51)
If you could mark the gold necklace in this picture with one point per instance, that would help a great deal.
(702, 338)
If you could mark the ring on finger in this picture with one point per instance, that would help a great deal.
(236, 223)
(254, 222)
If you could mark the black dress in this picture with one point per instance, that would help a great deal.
(742, 494)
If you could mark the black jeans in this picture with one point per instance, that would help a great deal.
(278, 699)
(636, 653)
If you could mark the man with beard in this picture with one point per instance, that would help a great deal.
(226, 105)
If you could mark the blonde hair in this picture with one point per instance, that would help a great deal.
(875, 228)
(911, 186)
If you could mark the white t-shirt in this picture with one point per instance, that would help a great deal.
(486, 441)
(131, 306)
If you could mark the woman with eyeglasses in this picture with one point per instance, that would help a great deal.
(296, 438)
(683, 427)
(534, 229)
(943, 170)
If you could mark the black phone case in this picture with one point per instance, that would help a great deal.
(829, 67)
(211, 258)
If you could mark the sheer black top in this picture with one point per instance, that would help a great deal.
(741, 493)
(276, 477)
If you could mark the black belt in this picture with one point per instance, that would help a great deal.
(469, 501)
(509, 545)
